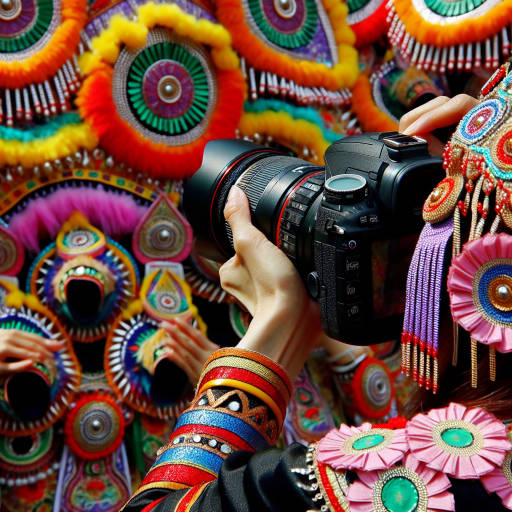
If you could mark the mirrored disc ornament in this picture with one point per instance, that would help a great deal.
(12, 253)
(94, 426)
(163, 234)
(442, 201)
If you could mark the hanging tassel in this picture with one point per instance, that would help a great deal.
(492, 363)
(422, 309)
(474, 363)
(474, 207)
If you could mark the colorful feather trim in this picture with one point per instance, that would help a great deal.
(48, 60)
(114, 214)
(450, 33)
(310, 74)
(287, 131)
(133, 34)
(437, 38)
(307, 114)
(372, 119)
(57, 138)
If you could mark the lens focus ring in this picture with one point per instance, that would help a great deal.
(294, 211)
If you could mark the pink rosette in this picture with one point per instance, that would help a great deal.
(463, 443)
(362, 447)
(480, 289)
(500, 481)
(374, 489)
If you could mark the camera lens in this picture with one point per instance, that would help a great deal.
(280, 189)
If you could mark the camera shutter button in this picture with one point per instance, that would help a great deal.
(345, 189)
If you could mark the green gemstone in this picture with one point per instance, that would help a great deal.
(457, 437)
(368, 442)
(400, 495)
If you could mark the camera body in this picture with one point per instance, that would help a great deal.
(350, 228)
(365, 233)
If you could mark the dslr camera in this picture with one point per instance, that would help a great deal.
(349, 228)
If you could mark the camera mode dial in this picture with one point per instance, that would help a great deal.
(345, 189)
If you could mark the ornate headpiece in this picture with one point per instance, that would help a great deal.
(472, 207)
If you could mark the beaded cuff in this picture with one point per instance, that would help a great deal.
(240, 404)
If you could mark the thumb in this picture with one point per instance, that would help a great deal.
(237, 210)
(246, 237)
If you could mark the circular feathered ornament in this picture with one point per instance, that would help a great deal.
(296, 49)
(162, 86)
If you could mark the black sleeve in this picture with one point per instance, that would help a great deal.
(262, 481)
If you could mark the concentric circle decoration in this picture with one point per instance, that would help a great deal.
(166, 296)
(480, 121)
(500, 154)
(94, 426)
(410, 487)
(458, 437)
(79, 238)
(164, 92)
(373, 440)
(21, 455)
(373, 391)
(443, 199)
(460, 442)
(492, 289)
(286, 23)
(167, 89)
(33, 318)
(131, 382)
(163, 234)
(25, 23)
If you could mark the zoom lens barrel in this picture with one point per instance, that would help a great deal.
(280, 189)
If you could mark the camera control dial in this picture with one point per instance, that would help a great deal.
(345, 189)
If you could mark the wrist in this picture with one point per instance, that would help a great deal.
(286, 333)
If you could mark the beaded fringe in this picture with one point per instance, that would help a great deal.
(421, 318)
(46, 99)
(486, 54)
